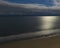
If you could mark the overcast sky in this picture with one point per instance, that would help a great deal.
(55, 4)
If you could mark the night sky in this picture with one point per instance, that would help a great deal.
(45, 2)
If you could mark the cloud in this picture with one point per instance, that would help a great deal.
(32, 6)
(23, 5)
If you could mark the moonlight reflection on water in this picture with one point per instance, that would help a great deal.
(28, 26)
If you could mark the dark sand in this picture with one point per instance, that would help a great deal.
(53, 42)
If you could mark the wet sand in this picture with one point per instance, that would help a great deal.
(53, 42)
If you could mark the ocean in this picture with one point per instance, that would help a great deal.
(10, 25)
